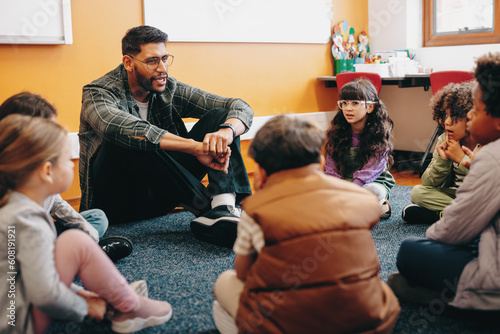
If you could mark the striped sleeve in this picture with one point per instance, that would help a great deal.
(250, 238)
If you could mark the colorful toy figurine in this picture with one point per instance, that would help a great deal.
(338, 47)
(363, 47)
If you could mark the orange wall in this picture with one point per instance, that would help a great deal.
(58, 72)
(272, 78)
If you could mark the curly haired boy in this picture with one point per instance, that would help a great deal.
(447, 169)
(458, 262)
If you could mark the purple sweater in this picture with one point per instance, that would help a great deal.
(367, 174)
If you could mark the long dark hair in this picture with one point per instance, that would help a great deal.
(376, 135)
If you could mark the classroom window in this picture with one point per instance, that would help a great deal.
(461, 22)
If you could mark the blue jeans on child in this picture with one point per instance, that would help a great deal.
(432, 264)
(96, 217)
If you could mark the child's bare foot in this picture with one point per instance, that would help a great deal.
(148, 313)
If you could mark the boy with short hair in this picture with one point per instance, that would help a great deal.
(305, 258)
(447, 169)
(459, 261)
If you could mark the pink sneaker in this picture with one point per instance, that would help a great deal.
(149, 313)
(140, 287)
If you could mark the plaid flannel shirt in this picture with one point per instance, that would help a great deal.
(109, 112)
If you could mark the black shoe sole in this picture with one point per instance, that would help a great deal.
(222, 233)
(419, 215)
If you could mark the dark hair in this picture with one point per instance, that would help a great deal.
(487, 74)
(25, 144)
(137, 36)
(27, 103)
(376, 135)
(286, 142)
(456, 97)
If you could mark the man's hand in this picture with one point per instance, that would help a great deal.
(217, 162)
(95, 304)
(218, 142)
(213, 151)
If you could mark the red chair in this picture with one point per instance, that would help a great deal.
(438, 81)
(442, 78)
(343, 78)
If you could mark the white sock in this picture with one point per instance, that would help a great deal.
(224, 199)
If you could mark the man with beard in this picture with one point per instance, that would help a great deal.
(137, 159)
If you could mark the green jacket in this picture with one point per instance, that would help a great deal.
(441, 173)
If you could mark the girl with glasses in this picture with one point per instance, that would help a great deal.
(359, 147)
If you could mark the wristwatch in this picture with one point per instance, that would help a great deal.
(228, 125)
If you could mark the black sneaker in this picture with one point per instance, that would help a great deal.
(415, 214)
(217, 226)
(116, 247)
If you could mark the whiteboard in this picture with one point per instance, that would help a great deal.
(254, 21)
(35, 22)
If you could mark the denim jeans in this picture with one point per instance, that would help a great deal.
(95, 217)
(433, 264)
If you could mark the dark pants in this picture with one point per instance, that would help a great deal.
(133, 185)
(432, 264)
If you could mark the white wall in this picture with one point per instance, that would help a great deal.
(397, 24)
(412, 117)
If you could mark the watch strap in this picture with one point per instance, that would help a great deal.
(228, 125)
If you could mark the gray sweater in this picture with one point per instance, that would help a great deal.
(473, 214)
(27, 235)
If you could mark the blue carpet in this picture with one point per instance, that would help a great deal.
(182, 270)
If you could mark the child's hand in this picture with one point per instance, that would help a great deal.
(470, 154)
(454, 151)
(95, 304)
(441, 148)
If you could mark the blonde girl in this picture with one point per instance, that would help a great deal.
(35, 162)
